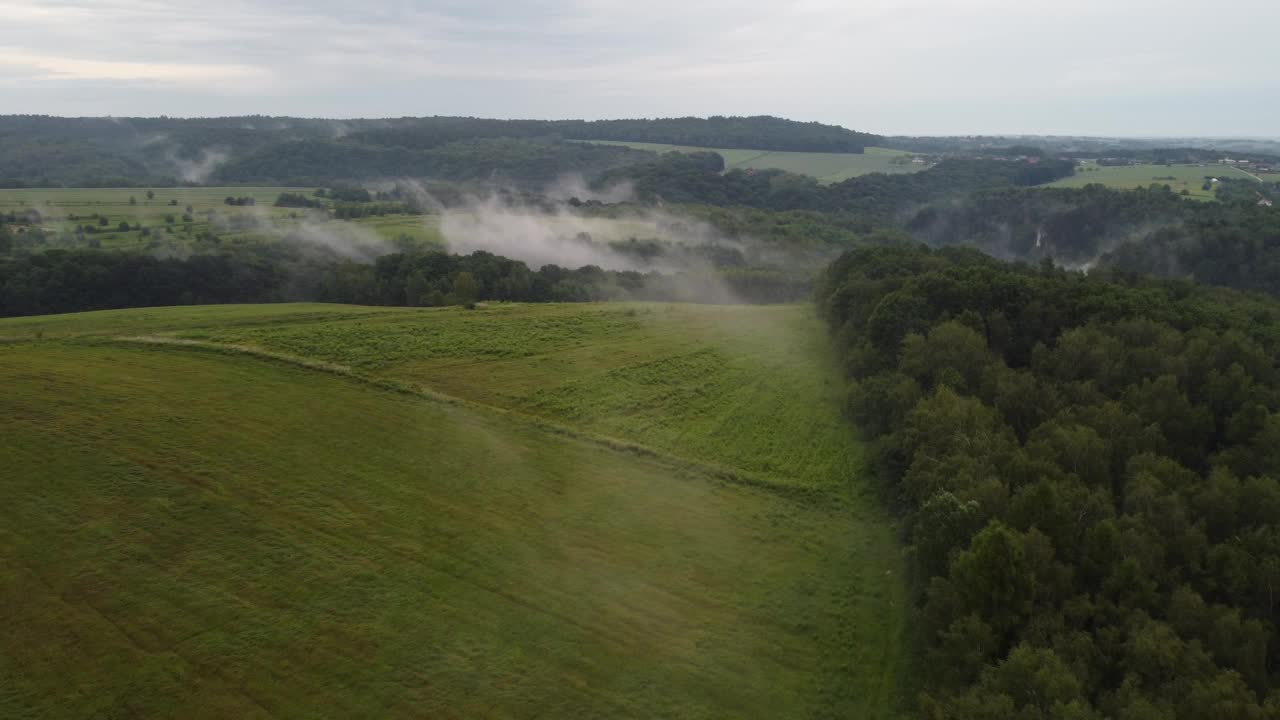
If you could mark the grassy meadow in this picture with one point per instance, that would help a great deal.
(827, 167)
(516, 511)
(1127, 177)
(167, 230)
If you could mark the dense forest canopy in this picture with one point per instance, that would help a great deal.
(1088, 472)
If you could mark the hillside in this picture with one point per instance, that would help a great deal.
(101, 152)
(293, 517)
(1179, 178)
(826, 167)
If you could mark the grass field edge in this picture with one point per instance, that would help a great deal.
(707, 470)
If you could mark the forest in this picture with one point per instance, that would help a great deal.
(1234, 242)
(876, 198)
(1088, 474)
(42, 151)
(59, 281)
(532, 163)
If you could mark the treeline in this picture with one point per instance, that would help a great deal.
(877, 198)
(1088, 470)
(43, 151)
(1186, 151)
(760, 132)
(519, 162)
(60, 281)
(437, 278)
(1168, 156)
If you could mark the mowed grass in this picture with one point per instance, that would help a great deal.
(1190, 178)
(193, 533)
(827, 167)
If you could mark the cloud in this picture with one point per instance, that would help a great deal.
(76, 69)
(1137, 67)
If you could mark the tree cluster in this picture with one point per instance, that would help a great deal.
(297, 200)
(1088, 470)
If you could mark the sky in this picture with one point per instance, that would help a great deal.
(1086, 67)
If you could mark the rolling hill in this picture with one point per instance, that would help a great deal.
(567, 511)
(829, 167)
(1179, 178)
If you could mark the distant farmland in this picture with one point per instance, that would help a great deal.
(1127, 177)
(827, 167)
(170, 228)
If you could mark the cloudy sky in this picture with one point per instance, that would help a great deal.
(1131, 67)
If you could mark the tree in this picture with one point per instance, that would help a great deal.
(993, 577)
(464, 289)
(151, 194)
(133, 200)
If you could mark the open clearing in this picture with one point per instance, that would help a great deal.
(63, 209)
(168, 233)
(205, 533)
(827, 167)
(1127, 177)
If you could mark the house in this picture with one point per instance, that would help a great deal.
(1264, 202)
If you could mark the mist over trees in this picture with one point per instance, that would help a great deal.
(876, 198)
(59, 281)
(1234, 242)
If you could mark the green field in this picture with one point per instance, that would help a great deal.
(64, 209)
(1127, 177)
(517, 511)
(827, 167)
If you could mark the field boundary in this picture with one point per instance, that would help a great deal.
(808, 495)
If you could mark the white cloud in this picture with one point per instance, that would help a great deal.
(881, 65)
(75, 69)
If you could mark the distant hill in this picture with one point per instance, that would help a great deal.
(43, 151)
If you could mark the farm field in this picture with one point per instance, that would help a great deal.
(166, 228)
(1127, 177)
(827, 167)
(227, 534)
(167, 231)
